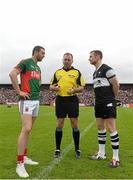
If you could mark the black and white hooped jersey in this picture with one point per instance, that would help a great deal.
(102, 87)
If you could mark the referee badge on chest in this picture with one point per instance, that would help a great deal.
(99, 72)
(71, 75)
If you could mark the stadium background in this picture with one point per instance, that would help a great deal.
(9, 96)
(42, 141)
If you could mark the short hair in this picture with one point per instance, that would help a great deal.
(37, 48)
(68, 54)
(98, 52)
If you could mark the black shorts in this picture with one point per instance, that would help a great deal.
(67, 106)
(105, 112)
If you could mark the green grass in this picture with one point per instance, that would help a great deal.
(42, 145)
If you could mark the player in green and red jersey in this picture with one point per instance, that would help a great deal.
(30, 75)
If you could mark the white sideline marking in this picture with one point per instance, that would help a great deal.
(47, 170)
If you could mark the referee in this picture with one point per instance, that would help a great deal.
(106, 89)
(67, 82)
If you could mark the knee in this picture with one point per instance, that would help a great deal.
(74, 126)
(111, 129)
(27, 129)
(60, 125)
(100, 127)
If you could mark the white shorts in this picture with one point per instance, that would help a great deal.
(30, 107)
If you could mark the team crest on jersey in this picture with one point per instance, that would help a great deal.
(36, 68)
(71, 75)
(32, 66)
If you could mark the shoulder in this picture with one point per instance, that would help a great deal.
(22, 65)
(58, 70)
(77, 70)
(109, 71)
(25, 61)
(105, 67)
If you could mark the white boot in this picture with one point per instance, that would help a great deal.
(20, 170)
(29, 161)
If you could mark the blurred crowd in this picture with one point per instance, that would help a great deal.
(8, 95)
(126, 96)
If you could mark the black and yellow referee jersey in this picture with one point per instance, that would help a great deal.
(67, 79)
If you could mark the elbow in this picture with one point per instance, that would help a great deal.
(10, 74)
(118, 86)
(82, 88)
(50, 88)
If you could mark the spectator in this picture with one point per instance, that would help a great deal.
(46, 97)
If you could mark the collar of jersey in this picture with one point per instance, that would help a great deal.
(68, 69)
(33, 61)
(99, 67)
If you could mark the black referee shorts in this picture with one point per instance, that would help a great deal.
(67, 106)
(105, 112)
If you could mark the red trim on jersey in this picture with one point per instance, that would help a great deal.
(26, 77)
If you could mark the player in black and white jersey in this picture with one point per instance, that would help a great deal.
(106, 89)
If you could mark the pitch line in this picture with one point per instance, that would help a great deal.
(47, 170)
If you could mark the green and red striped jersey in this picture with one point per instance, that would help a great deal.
(30, 75)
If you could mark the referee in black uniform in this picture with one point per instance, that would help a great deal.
(66, 82)
(106, 89)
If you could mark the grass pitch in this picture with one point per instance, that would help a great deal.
(42, 145)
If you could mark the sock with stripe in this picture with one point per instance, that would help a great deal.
(101, 141)
(20, 159)
(115, 145)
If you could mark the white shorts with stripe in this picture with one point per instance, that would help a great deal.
(30, 107)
